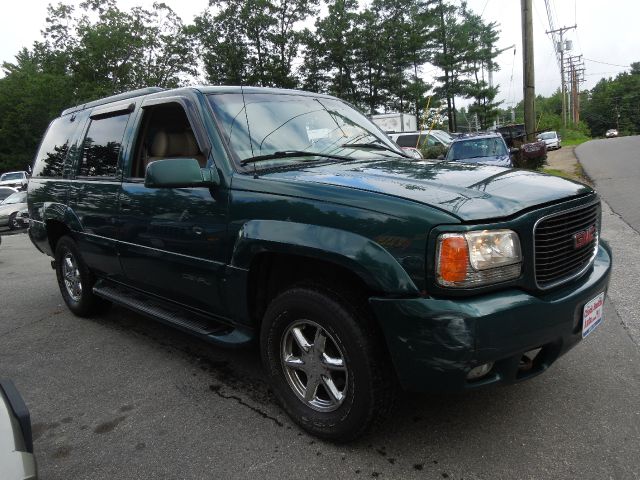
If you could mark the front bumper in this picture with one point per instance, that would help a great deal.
(434, 343)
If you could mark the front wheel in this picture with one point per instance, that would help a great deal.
(75, 280)
(327, 363)
(13, 221)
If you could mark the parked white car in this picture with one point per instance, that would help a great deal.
(611, 133)
(551, 139)
(17, 180)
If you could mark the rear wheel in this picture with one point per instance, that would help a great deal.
(327, 363)
(76, 280)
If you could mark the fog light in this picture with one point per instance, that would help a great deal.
(479, 371)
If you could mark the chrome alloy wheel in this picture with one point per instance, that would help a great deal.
(314, 366)
(71, 275)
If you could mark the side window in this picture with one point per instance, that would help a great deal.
(165, 132)
(101, 146)
(54, 148)
(407, 140)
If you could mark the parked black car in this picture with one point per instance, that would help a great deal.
(482, 148)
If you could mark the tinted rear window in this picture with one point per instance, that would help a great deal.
(101, 147)
(54, 148)
(407, 140)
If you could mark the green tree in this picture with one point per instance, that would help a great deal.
(30, 96)
(614, 103)
(109, 50)
(480, 56)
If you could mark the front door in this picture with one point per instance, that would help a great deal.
(172, 240)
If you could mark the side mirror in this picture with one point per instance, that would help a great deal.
(179, 173)
(513, 150)
(440, 157)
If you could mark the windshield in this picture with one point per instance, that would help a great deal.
(263, 124)
(547, 135)
(20, 197)
(477, 147)
(11, 176)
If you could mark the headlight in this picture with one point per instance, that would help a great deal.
(473, 259)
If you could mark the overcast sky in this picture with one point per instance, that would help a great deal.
(607, 32)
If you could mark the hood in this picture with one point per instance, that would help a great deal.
(12, 207)
(468, 191)
(9, 183)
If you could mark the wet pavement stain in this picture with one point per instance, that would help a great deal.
(62, 452)
(39, 429)
(107, 427)
(216, 389)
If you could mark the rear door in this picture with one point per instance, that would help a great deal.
(95, 186)
(172, 240)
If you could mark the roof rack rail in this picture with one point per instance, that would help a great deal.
(113, 98)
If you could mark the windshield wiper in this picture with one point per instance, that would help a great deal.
(374, 145)
(290, 154)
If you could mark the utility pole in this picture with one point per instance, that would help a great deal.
(560, 48)
(528, 78)
(575, 67)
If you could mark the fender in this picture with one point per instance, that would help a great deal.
(62, 213)
(58, 212)
(367, 259)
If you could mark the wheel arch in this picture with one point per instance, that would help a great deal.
(55, 221)
(277, 254)
(361, 256)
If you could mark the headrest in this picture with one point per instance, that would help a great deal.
(180, 144)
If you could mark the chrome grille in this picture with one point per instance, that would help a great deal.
(557, 259)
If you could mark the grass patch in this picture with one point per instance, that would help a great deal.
(577, 175)
(572, 142)
(558, 173)
(571, 138)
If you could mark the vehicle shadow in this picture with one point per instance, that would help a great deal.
(427, 418)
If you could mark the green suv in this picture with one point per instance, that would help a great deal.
(288, 219)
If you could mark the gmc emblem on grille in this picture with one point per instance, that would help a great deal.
(584, 237)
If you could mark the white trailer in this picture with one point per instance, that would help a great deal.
(395, 122)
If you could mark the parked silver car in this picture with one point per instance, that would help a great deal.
(6, 191)
(17, 461)
(10, 209)
(551, 139)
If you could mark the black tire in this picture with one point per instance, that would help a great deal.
(13, 223)
(369, 383)
(84, 303)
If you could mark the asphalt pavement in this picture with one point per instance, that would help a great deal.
(122, 397)
(614, 165)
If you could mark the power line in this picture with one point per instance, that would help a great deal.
(483, 8)
(605, 63)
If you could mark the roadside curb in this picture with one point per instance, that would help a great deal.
(585, 174)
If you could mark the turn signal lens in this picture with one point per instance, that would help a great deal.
(453, 258)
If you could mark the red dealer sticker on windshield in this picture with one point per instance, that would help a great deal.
(592, 315)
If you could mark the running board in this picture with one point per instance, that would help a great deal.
(196, 324)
